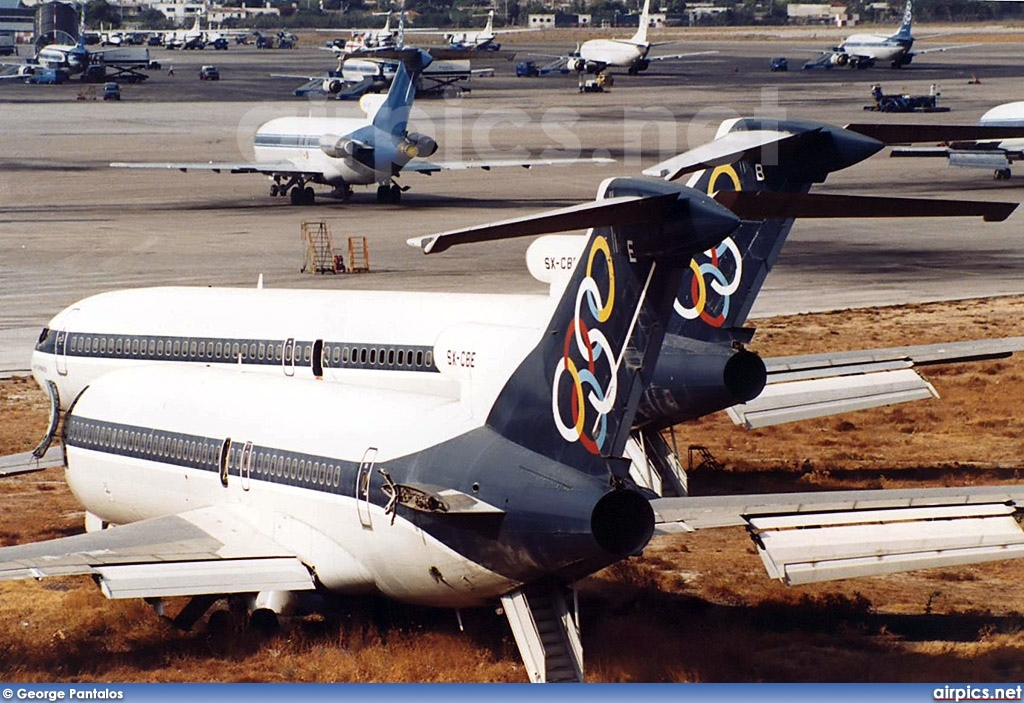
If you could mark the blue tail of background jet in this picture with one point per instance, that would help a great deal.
(393, 115)
(903, 33)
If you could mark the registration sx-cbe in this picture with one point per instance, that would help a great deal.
(70, 694)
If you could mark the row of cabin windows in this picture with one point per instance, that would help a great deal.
(333, 354)
(159, 446)
(149, 444)
(269, 464)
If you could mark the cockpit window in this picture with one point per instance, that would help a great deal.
(43, 335)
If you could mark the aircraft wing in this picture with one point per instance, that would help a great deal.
(429, 167)
(917, 52)
(27, 462)
(829, 535)
(204, 551)
(266, 167)
(818, 385)
(674, 57)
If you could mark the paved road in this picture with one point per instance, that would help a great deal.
(70, 226)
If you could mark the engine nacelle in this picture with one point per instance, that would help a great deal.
(693, 379)
(643, 64)
(840, 59)
(577, 64)
(419, 145)
(339, 147)
(333, 85)
(552, 258)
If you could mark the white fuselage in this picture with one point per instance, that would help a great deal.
(876, 47)
(145, 444)
(297, 140)
(613, 52)
(365, 337)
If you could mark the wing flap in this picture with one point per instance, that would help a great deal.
(202, 577)
(819, 397)
(829, 546)
(172, 555)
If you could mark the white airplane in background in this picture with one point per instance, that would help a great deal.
(192, 38)
(479, 40)
(596, 55)
(296, 152)
(968, 147)
(865, 50)
(507, 473)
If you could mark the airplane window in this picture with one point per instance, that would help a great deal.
(293, 466)
(192, 450)
(303, 472)
(118, 439)
(177, 348)
(344, 355)
(277, 353)
(135, 347)
(337, 476)
(110, 344)
(87, 342)
(129, 441)
(321, 474)
(307, 352)
(391, 357)
(193, 347)
(103, 346)
(159, 347)
(120, 345)
(235, 350)
(152, 347)
(429, 359)
(202, 348)
(218, 349)
(262, 351)
(336, 355)
(401, 357)
(315, 472)
(419, 358)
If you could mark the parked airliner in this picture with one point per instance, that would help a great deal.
(596, 55)
(510, 477)
(296, 152)
(865, 50)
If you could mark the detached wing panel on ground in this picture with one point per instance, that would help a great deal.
(818, 385)
(429, 167)
(205, 551)
(27, 462)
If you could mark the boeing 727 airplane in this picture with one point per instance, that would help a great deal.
(297, 152)
(468, 450)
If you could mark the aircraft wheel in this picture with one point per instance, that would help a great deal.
(308, 196)
(346, 194)
(274, 191)
(396, 194)
(1003, 174)
(632, 71)
(296, 195)
(383, 194)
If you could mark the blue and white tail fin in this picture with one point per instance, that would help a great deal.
(574, 397)
(393, 114)
(752, 155)
(903, 32)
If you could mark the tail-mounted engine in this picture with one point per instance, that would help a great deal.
(418, 145)
(344, 148)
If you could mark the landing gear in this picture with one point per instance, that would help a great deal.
(1002, 174)
(302, 195)
(389, 194)
(342, 192)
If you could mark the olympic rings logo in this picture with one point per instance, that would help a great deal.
(586, 350)
(709, 273)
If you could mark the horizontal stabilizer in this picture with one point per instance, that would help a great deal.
(829, 546)
(819, 397)
(725, 150)
(912, 133)
(750, 205)
(27, 462)
(609, 212)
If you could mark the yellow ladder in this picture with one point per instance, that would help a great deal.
(358, 255)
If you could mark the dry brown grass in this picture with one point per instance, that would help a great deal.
(694, 608)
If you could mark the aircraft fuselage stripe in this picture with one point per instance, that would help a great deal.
(265, 352)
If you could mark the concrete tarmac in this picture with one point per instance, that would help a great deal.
(70, 226)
